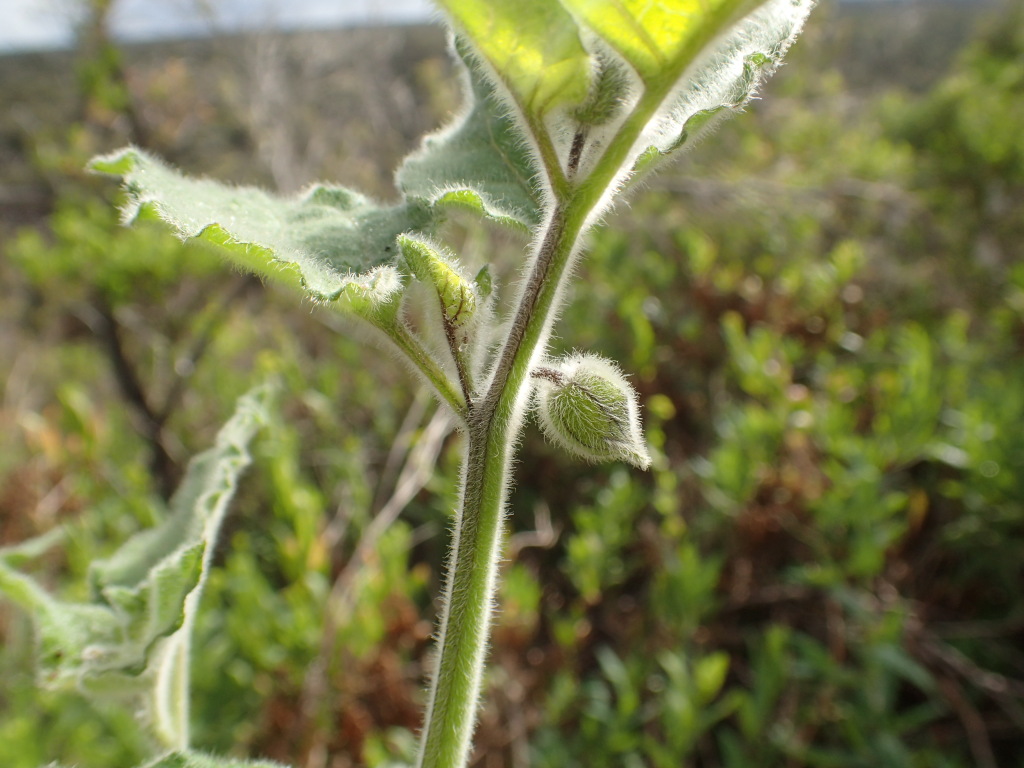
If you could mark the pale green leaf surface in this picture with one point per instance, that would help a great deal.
(725, 76)
(329, 240)
(433, 264)
(481, 162)
(658, 37)
(144, 592)
(532, 45)
(192, 759)
(67, 633)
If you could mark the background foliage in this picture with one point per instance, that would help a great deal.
(823, 311)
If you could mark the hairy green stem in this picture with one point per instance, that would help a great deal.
(493, 424)
(414, 351)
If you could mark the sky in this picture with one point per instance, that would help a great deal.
(40, 24)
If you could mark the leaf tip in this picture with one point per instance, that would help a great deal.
(120, 162)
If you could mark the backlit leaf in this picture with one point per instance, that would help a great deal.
(532, 45)
(725, 76)
(658, 39)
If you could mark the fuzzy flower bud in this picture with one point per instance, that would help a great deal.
(586, 406)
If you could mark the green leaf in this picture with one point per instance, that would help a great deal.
(709, 675)
(191, 759)
(609, 92)
(533, 47)
(433, 264)
(329, 241)
(658, 39)
(125, 640)
(725, 76)
(481, 162)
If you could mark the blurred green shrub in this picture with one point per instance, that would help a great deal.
(823, 568)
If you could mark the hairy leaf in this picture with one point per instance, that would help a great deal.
(329, 241)
(533, 47)
(434, 265)
(480, 162)
(192, 759)
(726, 75)
(145, 595)
(658, 39)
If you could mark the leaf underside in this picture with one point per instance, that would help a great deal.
(532, 46)
(657, 39)
(480, 162)
(328, 241)
(703, 57)
(725, 76)
(192, 759)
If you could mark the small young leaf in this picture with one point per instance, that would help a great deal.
(586, 405)
(533, 47)
(480, 162)
(484, 282)
(432, 264)
(330, 241)
(609, 89)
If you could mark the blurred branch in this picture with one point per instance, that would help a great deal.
(543, 536)
(100, 65)
(974, 724)
(1007, 692)
(103, 323)
(100, 317)
(955, 630)
(420, 459)
(400, 447)
(200, 344)
(949, 666)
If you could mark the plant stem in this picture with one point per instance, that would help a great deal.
(412, 347)
(493, 423)
(459, 358)
(464, 628)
